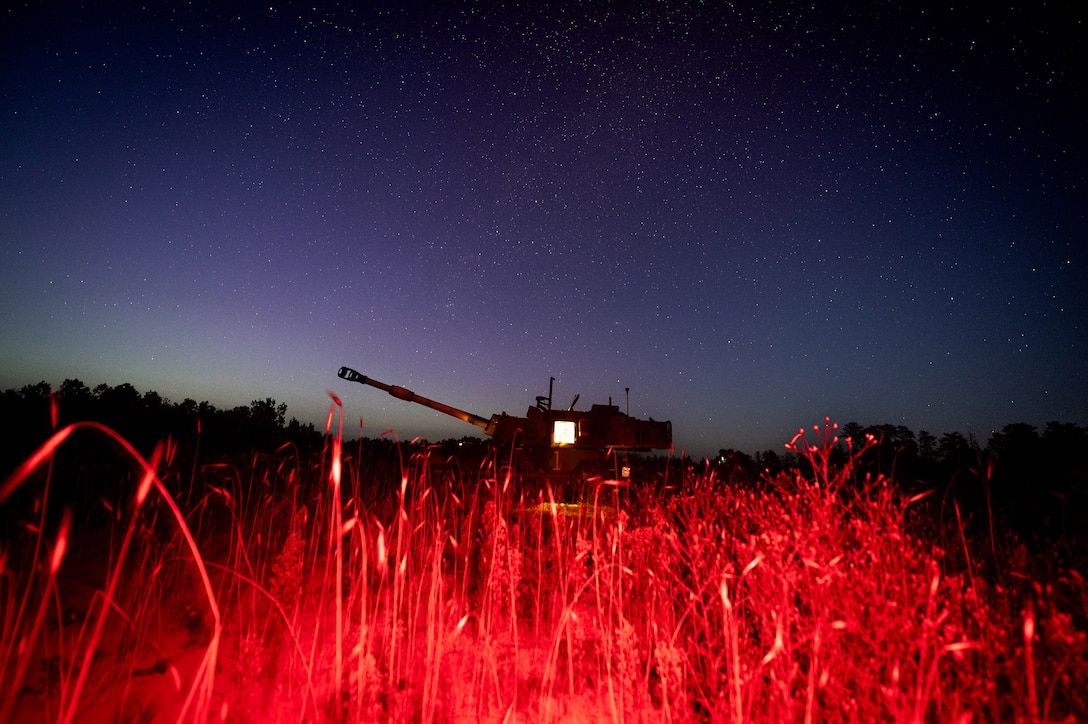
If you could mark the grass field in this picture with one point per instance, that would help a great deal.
(278, 588)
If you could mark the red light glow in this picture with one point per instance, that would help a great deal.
(409, 602)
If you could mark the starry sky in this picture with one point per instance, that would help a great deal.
(752, 215)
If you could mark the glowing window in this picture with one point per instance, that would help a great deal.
(563, 432)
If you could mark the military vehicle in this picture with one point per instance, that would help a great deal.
(560, 443)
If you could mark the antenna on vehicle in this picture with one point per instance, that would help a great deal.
(545, 403)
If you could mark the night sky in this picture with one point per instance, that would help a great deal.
(751, 216)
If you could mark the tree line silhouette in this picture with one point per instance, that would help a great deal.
(1032, 477)
(1026, 484)
(1019, 454)
(209, 445)
(92, 476)
(1016, 454)
(145, 419)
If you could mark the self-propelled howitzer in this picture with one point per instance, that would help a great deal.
(551, 441)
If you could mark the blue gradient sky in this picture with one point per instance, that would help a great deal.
(751, 217)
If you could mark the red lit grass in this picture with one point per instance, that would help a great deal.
(309, 595)
(20, 648)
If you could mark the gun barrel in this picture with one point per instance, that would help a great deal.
(407, 395)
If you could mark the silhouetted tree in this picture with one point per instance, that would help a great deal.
(1067, 440)
(855, 433)
(1016, 445)
(956, 451)
(266, 413)
(1063, 449)
(893, 452)
(927, 445)
(39, 392)
(73, 393)
(733, 465)
(769, 462)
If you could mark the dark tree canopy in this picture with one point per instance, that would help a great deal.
(144, 420)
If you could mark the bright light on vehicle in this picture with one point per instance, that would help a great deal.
(563, 432)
